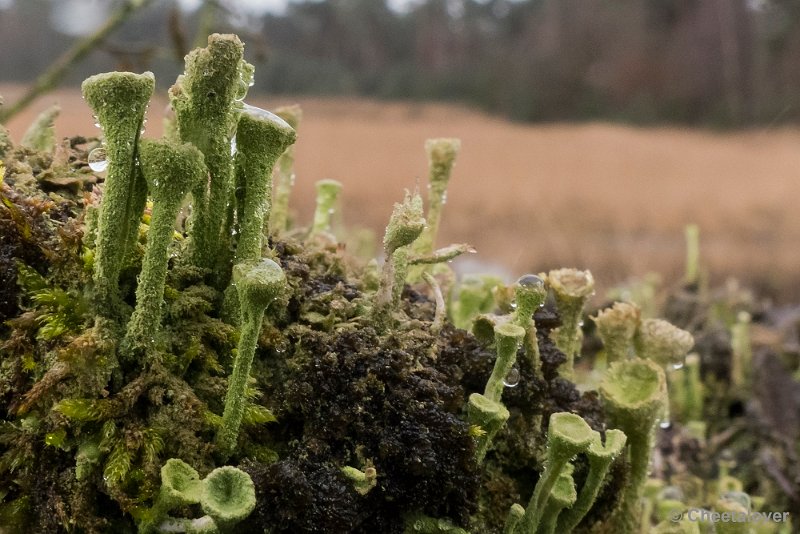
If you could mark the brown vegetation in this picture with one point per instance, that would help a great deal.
(611, 198)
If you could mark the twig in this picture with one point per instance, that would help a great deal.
(50, 79)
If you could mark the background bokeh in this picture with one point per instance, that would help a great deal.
(593, 131)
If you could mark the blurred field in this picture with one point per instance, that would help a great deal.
(610, 198)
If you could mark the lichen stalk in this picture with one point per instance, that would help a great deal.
(571, 289)
(405, 225)
(616, 327)
(488, 416)
(119, 100)
(261, 138)
(327, 195)
(567, 435)
(742, 349)
(171, 170)
(507, 337)
(529, 295)
(284, 175)
(634, 393)
(441, 158)
(562, 496)
(41, 135)
(206, 112)
(692, 275)
(258, 283)
(515, 515)
(601, 456)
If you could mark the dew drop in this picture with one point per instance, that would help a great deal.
(241, 90)
(97, 125)
(678, 365)
(98, 161)
(530, 280)
(512, 378)
(513, 304)
(444, 197)
(665, 424)
(233, 146)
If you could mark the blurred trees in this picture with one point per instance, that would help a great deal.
(719, 62)
(723, 62)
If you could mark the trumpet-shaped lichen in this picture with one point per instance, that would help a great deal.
(257, 283)
(571, 289)
(171, 170)
(119, 100)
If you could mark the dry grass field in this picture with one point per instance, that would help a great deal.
(610, 198)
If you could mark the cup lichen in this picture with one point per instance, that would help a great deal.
(634, 393)
(119, 101)
(571, 289)
(171, 171)
(258, 283)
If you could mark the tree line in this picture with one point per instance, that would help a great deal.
(712, 62)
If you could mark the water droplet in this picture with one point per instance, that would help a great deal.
(233, 146)
(580, 324)
(512, 378)
(513, 304)
(241, 91)
(444, 197)
(97, 125)
(665, 424)
(678, 365)
(98, 161)
(530, 280)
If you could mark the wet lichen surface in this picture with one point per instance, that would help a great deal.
(203, 365)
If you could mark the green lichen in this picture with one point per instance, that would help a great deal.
(41, 134)
(567, 435)
(571, 289)
(616, 327)
(171, 171)
(284, 174)
(327, 195)
(355, 406)
(261, 137)
(119, 101)
(258, 283)
(634, 393)
(206, 103)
